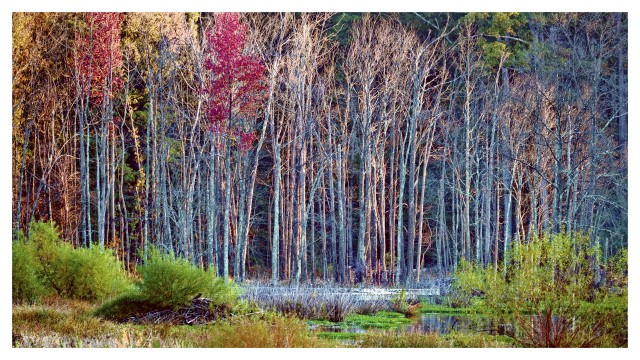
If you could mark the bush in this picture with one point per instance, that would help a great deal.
(87, 274)
(608, 320)
(170, 282)
(45, 239)
(474, 286)
(549, 293)
(26, 285)
(222, 294)
(403, 304)
(616, 270)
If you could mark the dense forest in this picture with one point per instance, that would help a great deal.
(321, 147)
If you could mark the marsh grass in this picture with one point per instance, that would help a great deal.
(379, 320)
(339, 336)
(71, 323)
(315, 303)
(392, 339)
(271, 331)
(60, 323)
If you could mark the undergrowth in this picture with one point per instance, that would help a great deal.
(69, 324)
(44, 264)
(169, 283)
(553, 292)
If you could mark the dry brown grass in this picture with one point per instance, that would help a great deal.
(258, 332)
(67, 323)
(314, 303)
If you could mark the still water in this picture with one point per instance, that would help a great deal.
(438, 323)
(445, 323)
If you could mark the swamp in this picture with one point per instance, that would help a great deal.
(320, 179)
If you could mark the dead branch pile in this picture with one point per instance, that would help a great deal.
(197, 313)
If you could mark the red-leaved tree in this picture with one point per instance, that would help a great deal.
(97, 63)
(98, 56)
(236, 88)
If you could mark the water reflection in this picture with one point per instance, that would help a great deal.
(438, 323)
(444, 323)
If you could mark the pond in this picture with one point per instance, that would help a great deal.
(445, 323)
(440, 323)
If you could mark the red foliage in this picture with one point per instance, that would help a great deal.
(245, 140)
(99, 55)
(236, 88)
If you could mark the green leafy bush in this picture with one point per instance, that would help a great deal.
(26, 285)
(399, 302)
(549, 292)
(169, 281)
(94, 274)
(473, 283)
(221, 293)
(616, 270)
(45, 239)
(87, 274)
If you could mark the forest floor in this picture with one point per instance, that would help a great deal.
(58, 322)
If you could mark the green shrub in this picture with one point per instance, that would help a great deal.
(221, 293)
(607, 320)
(101, 274)
(170, 282)
(399, 302)
(87, 274)
(45, 239)
(26, 284)
(616, 270)
(548, 292)
(470, 283)
(473, 283)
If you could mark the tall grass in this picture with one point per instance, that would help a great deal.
(392, 339)
(332, 304)
(270, 331)
(67, 323)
